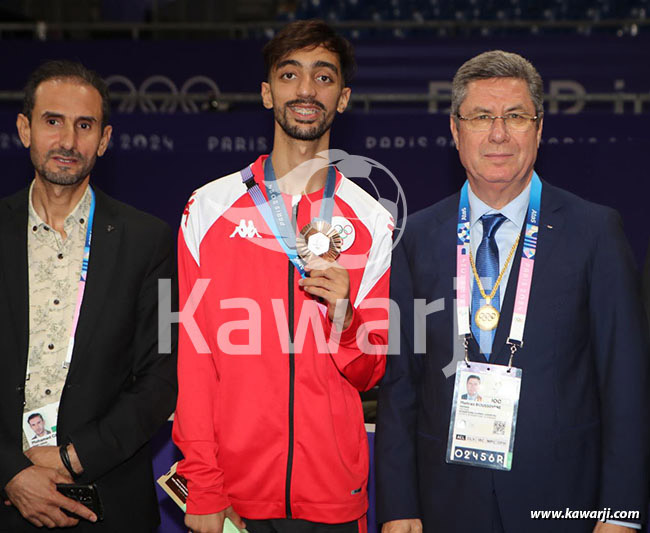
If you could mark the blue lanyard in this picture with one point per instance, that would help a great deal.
(275, 212)
(524, 280)
(82, 278)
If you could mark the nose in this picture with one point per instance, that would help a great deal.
(306, 87)
(499, 131)
(68, 137)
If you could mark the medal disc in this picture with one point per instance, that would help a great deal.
(487, 317)
(318, 239)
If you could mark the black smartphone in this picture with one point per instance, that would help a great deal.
(85, 494)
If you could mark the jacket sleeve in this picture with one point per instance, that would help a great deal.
(12, 462)
(361, 354)
(620, 343)
(144, 404)
(395, 440)
(196, 417)
(646, 283)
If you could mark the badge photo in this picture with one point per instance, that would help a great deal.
(39, 425)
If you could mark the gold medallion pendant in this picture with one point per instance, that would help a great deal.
(487, 317)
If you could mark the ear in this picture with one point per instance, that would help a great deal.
(453, 126)
(24, 130)
(539, 131)
(344, 98)
(267, 96)
(103, 142)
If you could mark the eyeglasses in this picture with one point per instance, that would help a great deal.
(513, 121)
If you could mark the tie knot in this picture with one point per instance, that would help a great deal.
(491, 223)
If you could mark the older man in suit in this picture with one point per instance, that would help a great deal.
(541, 287)
(79, 277)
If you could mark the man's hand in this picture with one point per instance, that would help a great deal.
(48, 456)
(604, 527)
(33, 492)
(213, 523)
(410, 525)
(331, 282)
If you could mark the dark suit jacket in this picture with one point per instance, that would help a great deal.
(646, 283)
(119, 389)
(581, 439)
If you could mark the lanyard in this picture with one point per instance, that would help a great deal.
(524, 280)
(82, 279)
(275, 212)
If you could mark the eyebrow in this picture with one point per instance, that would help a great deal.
(53, 114)
(515, 107)
(315, 64)
(326, 64)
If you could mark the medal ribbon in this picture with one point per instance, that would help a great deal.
(275, 212)
(524, 281)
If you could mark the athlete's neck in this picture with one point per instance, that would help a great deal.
(297, 166)
(53, 203)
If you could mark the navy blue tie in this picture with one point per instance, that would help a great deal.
(487, 266)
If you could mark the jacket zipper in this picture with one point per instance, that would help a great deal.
(292, 377)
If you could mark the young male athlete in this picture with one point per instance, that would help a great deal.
(293, 320)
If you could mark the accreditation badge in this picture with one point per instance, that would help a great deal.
(484, 415)
(39, 425)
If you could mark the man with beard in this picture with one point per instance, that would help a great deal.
(79, 321)
(269, 419)
(37, 424)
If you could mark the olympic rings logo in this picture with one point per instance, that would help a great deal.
(170, 96)
(344, 231)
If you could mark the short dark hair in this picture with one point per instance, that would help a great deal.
(63, 69)
(34, 415)
(497, 64)
(473, 376)
(309, 34)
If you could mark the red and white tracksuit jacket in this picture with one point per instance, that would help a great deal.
(272, 429)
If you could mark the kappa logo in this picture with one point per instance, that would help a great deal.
(245, 230)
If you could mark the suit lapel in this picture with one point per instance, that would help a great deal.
(13, 246)
(551, 223)
(106, 237)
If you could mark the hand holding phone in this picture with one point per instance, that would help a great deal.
(85, 494)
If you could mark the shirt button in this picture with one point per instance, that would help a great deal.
(60, 256)
(50, 346)
(48, 391)
(56, 302)
(81, 220)
(46, 228)
(34, 228)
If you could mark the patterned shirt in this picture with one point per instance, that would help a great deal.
(54, 271)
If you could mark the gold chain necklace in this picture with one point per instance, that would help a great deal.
(487, 316)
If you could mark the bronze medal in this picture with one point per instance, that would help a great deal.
(487, 317)
(318, 239)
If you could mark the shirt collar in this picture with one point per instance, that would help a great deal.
(79, 214)
(515, 211)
